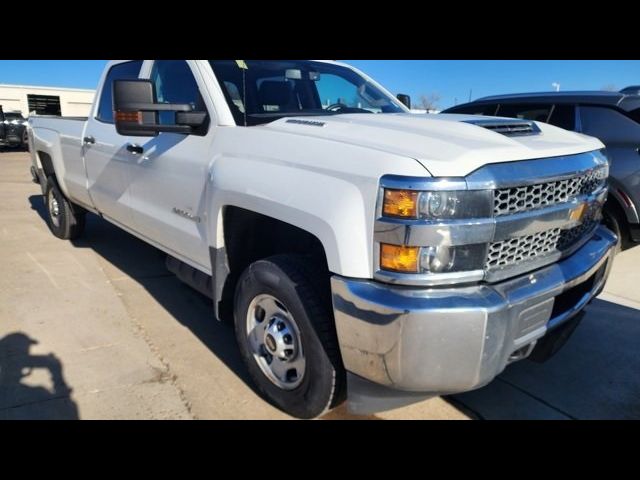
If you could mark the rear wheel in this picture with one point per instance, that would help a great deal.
(66, 221)
(287, 337)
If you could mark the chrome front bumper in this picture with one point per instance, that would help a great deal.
(443, 341)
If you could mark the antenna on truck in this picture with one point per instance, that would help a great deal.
(243, 66)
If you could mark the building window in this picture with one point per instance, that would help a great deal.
(44, 104)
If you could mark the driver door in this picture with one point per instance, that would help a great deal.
(169, 176)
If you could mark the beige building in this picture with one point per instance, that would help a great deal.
(68, 102)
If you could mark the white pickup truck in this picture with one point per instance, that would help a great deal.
(363, 253)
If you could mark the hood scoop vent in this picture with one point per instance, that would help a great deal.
(510, 128)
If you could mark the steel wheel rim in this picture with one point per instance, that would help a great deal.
(54, 209)
(274, 338)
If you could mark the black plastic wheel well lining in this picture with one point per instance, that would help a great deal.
(47, 163)
(250, 236)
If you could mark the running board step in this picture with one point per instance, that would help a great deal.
(193, 277)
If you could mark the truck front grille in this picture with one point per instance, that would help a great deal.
(507, 201)
(513, 251)
(570, 237)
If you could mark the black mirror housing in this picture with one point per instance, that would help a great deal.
(404, 99)
(127, 94)
(136, 111)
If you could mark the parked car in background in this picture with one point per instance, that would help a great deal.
(13, 129)
(613, 117)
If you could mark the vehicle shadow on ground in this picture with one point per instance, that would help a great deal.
(21, 400)
(594, 376)
(4, 149)
(38, 206)
(146, 265)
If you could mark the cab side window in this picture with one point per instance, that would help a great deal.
(485, 109)
(121, 71)
(562, 116)
(174, 83)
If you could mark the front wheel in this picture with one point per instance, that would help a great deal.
(287, 337)
(65, 221)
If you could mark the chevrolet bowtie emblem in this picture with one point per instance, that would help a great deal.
(578, 212)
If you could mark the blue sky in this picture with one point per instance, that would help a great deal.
(452, 80)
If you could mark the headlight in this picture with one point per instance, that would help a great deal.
(437, 205)
(428, 260)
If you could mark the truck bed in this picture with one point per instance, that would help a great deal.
(59, 141)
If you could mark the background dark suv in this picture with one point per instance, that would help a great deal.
(13, 129)
(613, 117)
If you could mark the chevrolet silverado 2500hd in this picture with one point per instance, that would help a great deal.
(363, 253)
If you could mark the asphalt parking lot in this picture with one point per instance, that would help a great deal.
(98, 329)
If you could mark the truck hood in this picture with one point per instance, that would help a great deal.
(445, 144)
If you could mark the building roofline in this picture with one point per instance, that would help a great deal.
(39, 87)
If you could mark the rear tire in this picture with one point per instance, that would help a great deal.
(304, 377)
(66, 221)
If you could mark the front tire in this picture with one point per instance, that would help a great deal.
(287, 338)
(65, 220)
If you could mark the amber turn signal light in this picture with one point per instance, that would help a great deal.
(400, 203)
(399, 258)
(135, 117)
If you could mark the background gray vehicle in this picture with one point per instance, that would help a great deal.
(613, 117)
(13, 129)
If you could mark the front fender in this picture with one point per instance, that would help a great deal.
(337, 211)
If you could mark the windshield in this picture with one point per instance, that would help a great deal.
(261, 91)
(10, 116)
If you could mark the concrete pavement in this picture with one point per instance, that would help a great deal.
(120, 337)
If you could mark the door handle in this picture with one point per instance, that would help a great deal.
(89, 140)
(135, 149)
